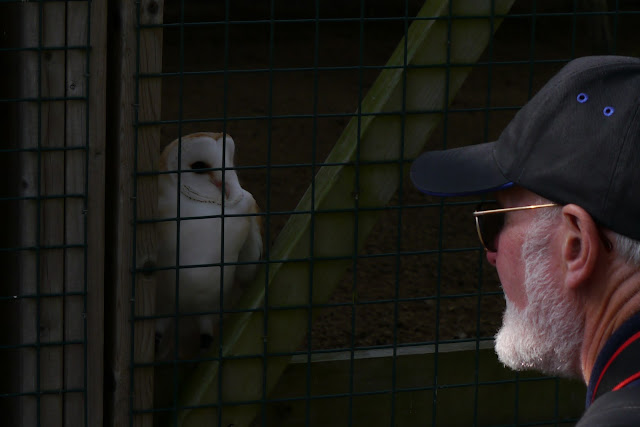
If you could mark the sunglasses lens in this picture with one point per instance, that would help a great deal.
(489, 227)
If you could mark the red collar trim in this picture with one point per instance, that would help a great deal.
(631, 379)
(627, 380)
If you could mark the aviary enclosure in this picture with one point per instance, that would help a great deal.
(372, 304)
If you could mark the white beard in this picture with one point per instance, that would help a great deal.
(547, 334)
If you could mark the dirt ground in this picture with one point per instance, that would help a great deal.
(440, 288)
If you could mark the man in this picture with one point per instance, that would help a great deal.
(565, 239)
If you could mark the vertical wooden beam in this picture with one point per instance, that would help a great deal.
(49, 219)
(27, 135)
(60, 133)
(84, 221)
(96, 213)
(134, 149)
(120, 139)
(148, 151)
(75, 182)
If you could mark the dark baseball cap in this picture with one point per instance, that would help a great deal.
(576, 141)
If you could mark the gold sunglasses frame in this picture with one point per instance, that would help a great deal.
(477, 214)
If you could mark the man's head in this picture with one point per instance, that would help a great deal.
(545, 331)
(543, 257)
(546, 259)
(574, 146)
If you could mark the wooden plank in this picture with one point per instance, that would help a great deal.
(28, 213)
(119, 202)
(78, 123)
(383, 140)
(148, 153)
(51, 216)
(56, 125)
(96, 213)
(384, 384)
(123, 331)
(48, 365)
(120, 137)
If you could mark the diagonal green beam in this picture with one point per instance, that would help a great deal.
(317, 244)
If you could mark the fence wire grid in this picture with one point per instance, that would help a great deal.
(348, 297)
(45, 244)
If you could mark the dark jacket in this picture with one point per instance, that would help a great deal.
(613, 395)
(615, 408)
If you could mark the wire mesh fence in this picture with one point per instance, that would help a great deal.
(343, 296)
(51, 256)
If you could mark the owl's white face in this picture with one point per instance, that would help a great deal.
(202, 157)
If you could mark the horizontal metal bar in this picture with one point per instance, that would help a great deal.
(42, 344)
(324, 211)
(355, 209)
(314, 306)
(44, 247)
(283, 166)
(46, 48)
(46, 99)
(43, 149)
(311, 259)
(324, 115)
(443, 65)
(43, 392)
(43, 197)
(387, 19)
(43, 295)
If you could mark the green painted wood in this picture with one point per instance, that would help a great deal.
(328, 223)
(486, 395)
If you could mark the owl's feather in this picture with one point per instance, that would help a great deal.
(209, 237)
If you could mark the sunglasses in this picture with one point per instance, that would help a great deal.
(489, 223)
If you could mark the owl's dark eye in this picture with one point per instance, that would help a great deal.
(197, 166)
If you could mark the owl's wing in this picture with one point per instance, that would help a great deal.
(251, 251)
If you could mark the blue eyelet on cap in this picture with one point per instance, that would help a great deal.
(582, 98)
(608, 111)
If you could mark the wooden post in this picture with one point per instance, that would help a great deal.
(28, 163)
(42, 228)
(95, 213)
(148, 149)
(132, 192)
(59, 130)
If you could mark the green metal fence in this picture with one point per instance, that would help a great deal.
(372, 304)
(52, 207)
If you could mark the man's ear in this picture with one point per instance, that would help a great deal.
(580, 245)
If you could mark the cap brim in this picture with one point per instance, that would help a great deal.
(459, 171)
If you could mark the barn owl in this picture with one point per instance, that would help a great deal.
(217, 224)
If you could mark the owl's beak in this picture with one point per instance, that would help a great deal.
(218, 183)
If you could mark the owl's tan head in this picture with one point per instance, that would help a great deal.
(201, 164)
